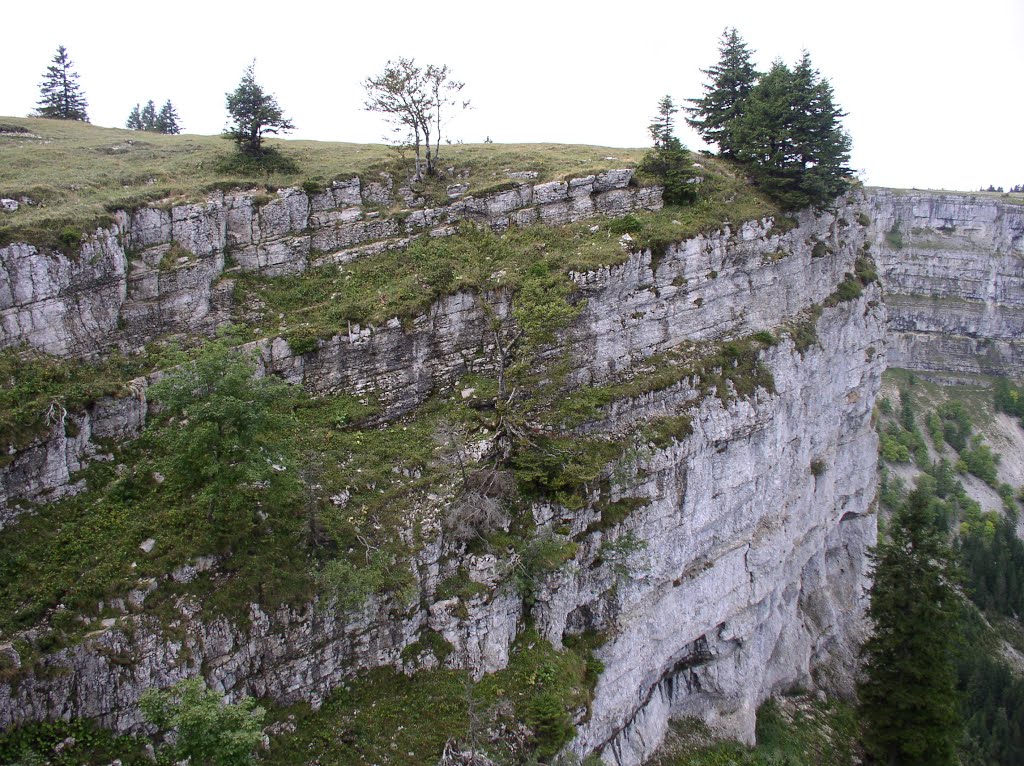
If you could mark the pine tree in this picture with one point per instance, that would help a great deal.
(908, 696)
(253, 114)
(669, 161)
(167, 120)
(823, 146)
(731, 80)
(790, 136)
(662, 127)
(149, 116)
(61, 95)
(134, 121)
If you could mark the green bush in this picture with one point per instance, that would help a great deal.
(981, 461)
(892, 450)
(206, 730)
(956, 424)
(627, 224)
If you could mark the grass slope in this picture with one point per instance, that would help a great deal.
(77, 174)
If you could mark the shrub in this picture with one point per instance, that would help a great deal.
(207, 731)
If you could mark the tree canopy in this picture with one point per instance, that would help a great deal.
(253, 114)
(790, 134)
(784, 125)
(669, 160)
(908, 695)
(148, 119)
(730, 82)
(207, 731)
(61, 97)
(416, 101)
(221, 417)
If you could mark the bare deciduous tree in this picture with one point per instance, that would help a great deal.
(416, 101)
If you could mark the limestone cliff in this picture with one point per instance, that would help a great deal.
(953, 270)
(752, 524)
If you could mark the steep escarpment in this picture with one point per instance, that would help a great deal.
(160, 271)
(953, 270)
(726, 380)
(171, 273)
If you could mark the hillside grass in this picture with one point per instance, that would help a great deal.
(791, 731)
(78, 174)
(384, 717)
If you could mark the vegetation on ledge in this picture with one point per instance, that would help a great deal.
(77, 174)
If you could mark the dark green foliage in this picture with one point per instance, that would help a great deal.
(134, 121)
(993, 560)
(167, 120)
(980, 460)
(669, 161)
(218, 419)
(899, 441)
(714, 114)
(1009, 398)
(148, 117)
(47, 744)
(956, 424)
(627, 224)
(270, 161)
(253, 115)
(992, 705)
(908, 701)
(891, 491)
(891, 448)
(61, 97)
(564, 469)
(789, 134)
(207, 731)
(992, 694)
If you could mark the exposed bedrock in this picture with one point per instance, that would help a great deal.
(161, 271)
(953, 270)
(754, 526)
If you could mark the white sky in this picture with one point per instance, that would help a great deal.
(934, 89)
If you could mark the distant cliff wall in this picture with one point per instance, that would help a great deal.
(952, 266)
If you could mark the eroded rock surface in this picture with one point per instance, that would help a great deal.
(953, 270)
(752, 529)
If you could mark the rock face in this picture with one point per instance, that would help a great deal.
(752, 529)
(953, 270)
(159, 271)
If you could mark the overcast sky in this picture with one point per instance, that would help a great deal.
(934, 90)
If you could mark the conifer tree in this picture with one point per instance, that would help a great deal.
(731, 80)
(669, 160)
(149, 116)
(789, 134)
(908, 697)
(167, 120)
(61, 95)
(134, 121)
(253, 114)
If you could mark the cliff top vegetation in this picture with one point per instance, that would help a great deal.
(75, 175)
